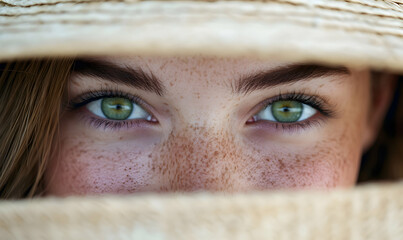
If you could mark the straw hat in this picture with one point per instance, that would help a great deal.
(370, 212)
(349, 32)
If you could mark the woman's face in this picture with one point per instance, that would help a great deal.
(154, 124)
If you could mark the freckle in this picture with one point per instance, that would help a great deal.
(282, 166)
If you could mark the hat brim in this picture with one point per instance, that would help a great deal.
(365, 212)
(359, 33)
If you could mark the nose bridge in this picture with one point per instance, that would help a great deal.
(199, 158)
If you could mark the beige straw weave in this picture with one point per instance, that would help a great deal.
(369, 212)
(350, 32)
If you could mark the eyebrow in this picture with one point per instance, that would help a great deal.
(284, 75)
(136, 78)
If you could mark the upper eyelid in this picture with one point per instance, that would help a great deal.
(321, 104)
(281, 97)
(91, 96)
(293, 96)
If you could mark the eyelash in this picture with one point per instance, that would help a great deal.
(91, 96)
(318, 103)
(314, 101)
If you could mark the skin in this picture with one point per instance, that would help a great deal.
(202, 140)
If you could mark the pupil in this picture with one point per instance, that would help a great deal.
(119, 107)
(286, 109)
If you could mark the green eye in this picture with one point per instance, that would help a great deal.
(287, 111)
(116, 108)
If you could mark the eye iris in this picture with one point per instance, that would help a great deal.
(287, 111)
(116, 108)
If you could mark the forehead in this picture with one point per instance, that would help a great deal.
(193, 61)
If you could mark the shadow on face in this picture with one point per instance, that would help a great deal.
(158, 124)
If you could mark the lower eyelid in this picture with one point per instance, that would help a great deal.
(302, 125)
(113, 125)
(274, 128)
(93, 121)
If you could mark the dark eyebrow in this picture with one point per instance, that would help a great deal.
(136, 78)
(284, 75)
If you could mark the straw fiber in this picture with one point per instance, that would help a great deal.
(353, 32)
(367, 212)
(356, 33)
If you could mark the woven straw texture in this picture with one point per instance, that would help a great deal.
(369, 212)
(350, 32)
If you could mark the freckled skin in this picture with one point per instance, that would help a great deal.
(202, 142)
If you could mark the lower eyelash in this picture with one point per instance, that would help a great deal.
(297, 126)
(114, 125)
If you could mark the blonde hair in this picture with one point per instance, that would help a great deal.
(28, 91)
